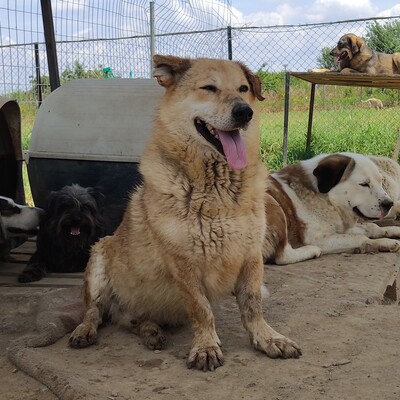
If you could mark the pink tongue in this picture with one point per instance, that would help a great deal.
(234, 148)
(75, 231)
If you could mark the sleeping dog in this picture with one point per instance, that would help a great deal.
(17, 223)
(327, 205)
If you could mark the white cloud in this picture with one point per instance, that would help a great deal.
(257, 19)
(318, 11)
(391, 12)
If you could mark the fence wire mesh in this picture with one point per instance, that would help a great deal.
(112, 38)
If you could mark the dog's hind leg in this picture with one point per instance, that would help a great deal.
(85, 333)
(248, 295)
(151, 334)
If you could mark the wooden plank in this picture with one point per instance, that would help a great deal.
(19, 258)
(27, 247)
(45, 282)
(13, 269)
(353, 79)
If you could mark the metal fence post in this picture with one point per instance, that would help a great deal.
(152, 34)
(38, 77)
(229, 33)
(286, 120)
(51, 51)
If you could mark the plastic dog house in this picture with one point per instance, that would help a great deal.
(92, 132)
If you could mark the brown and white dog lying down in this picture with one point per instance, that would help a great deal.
(326, 204)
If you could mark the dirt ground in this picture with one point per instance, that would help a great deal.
(333, 307)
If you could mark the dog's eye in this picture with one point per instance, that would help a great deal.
(364, 184)
(209, 88)
(243, 89)
(89, 207)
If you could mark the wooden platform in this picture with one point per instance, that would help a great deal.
(10, 269)
(353, 79)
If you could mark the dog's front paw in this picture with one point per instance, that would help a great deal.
(32, 273)
(275, 345)
(205, 358)
(83, 336)
(281, 347)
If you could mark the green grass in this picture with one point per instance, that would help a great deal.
(353, 129)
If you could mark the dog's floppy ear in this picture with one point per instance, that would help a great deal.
(355, 43)
(254, 80)
(97, 193)
(331, 170)
(168, 69)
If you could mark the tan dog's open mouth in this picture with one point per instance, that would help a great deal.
(343, 55)
(228, 143)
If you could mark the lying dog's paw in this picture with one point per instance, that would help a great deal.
(83, 336)
(378, 245)
(32, 273)
(205, 358)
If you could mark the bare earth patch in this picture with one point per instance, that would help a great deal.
(333, 307)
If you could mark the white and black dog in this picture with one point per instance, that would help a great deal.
(72, 222)
(17, 223)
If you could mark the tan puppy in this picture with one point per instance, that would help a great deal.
(193, 232)
(372, 102)
(353, 55)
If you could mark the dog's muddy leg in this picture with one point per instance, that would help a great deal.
(205, 354)
(248, 295)
(151, 334)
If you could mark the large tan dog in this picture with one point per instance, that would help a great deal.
(194, 230)
(323, 205)
(353, 55)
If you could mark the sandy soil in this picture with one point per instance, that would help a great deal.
(331, 306)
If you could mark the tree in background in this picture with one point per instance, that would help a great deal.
(384, 38)
(78, 72)
(325, 60)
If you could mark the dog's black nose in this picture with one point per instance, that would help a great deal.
(242, 113)
(386, 205)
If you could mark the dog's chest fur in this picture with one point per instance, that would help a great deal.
(207, 210)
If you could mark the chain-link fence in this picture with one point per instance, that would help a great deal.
(113, 39)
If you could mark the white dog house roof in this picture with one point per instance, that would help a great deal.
(96, 119)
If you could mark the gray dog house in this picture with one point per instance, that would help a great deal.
(92, 132)
(11, 158)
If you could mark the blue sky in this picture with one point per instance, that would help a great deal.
(278, 12)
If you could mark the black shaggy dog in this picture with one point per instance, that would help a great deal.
(71, 224)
